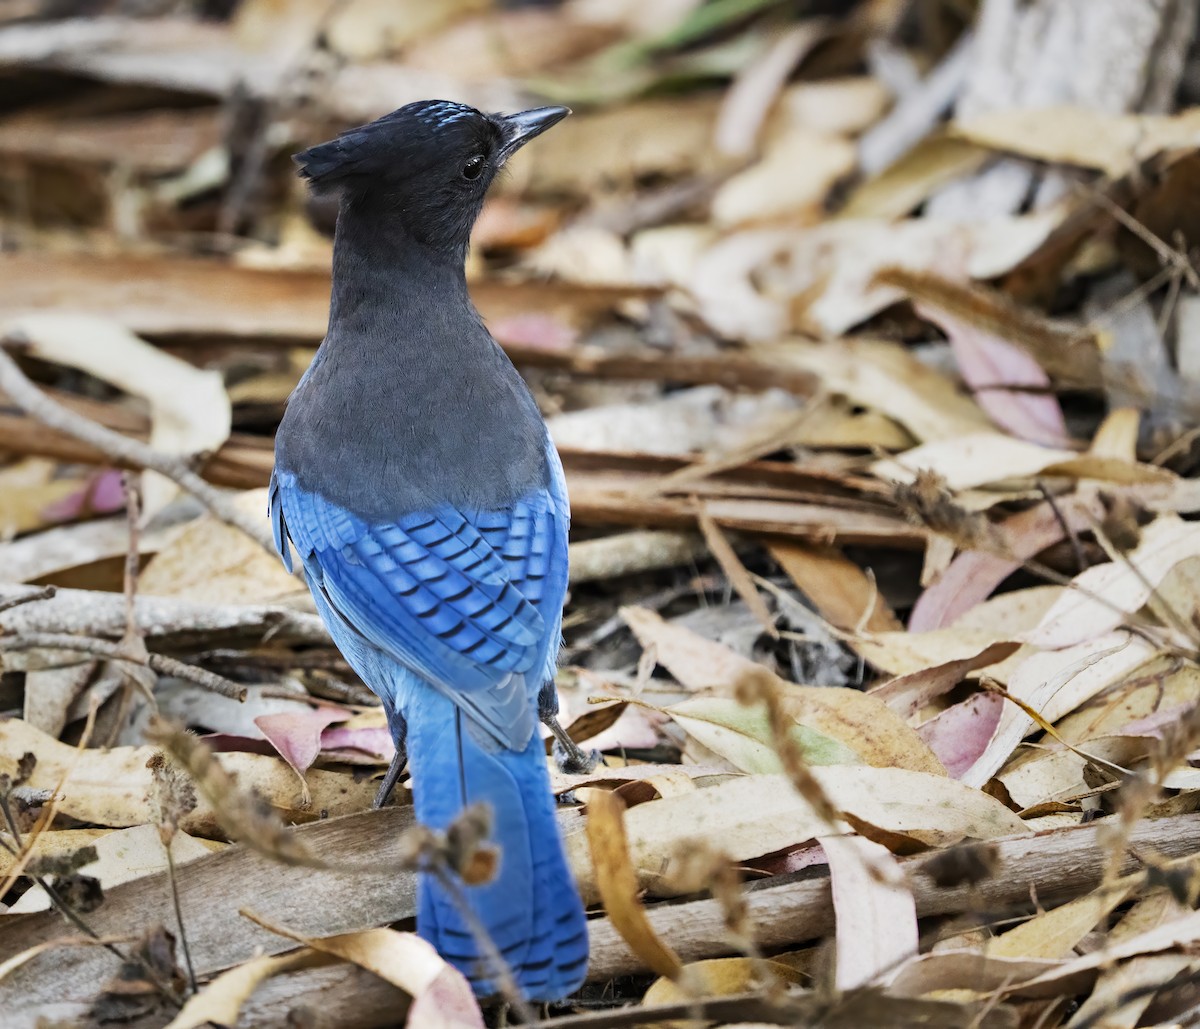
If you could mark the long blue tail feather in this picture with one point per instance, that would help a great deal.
(531, 910)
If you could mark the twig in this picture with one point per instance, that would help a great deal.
(183, 938)
(45, 593)
(97, 613)
(133, 641)
(114, 652)
(123, 450)
(1080, 560)
(1170, 256)
(131, 482)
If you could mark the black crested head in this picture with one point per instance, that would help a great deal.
(430, 163)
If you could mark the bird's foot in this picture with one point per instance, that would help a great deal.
(578, 761)
(395, 770)
(570, 757)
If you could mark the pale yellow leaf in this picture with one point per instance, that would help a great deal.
(122, 856)
(875, 912)
(1126, 584)
(760, 814)
(1056, 933)
(220, 1001)
(1083, 136)
(209, 561)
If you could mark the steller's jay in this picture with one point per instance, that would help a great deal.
(415, 478)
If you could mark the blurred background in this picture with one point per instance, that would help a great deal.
(778, 243)
(783, 252)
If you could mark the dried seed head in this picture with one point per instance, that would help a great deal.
(172, 796)
(466, 847)
(963, 865)
(1122, 523)
(243, 814)
(80, 893)
(927, 501)
(25, 767)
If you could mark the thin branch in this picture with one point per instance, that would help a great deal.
(1080, 560)
(183, 939)
(123, 450)
(1171, 257)
(114, 652)
(45, 593)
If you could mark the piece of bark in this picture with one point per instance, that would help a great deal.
(1109, 55)
(162, 620)
(211, 892)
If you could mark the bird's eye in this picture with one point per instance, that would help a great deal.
(473, 168)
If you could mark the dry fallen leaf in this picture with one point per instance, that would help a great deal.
(1126, 584)
(1112, 143)
(760, 814)
(876, 914)
(220, 1001)
(190, 412)
(618, 885)
(122, 855)
(297, 735)
(441, 995)
(112, 787)
(234, 569)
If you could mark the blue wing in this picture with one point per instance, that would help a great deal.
(470, 602)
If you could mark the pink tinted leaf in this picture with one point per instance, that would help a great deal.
(538, 331)
(374, 740)
(972, 576)
(100, 493)
(960, 734)
(231, 743)
(446, 1003)
(986, 361)
(297, 734)
(968, 580)
(634, 729)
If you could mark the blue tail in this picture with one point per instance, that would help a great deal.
(531, 909)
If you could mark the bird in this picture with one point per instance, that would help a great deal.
(416, 481)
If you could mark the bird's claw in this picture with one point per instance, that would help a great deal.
(574, 760)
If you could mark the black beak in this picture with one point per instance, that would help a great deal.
(519, 129)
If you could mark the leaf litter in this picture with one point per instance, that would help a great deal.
(870, 354)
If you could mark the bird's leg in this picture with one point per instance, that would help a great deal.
(571, 758)
(394, 769)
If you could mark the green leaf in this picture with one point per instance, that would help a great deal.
(742, 736)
